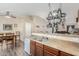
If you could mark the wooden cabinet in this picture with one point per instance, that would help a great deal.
(48, 51)
(39, 49)
(32, 47)
(36, 49)
(64, 54)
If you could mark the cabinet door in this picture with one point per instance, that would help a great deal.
(46, 53)
(65, 54)
(51, 50)
(32, 47)
(39, 49)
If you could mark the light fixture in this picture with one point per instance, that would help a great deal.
(50, 16)
(57, 16)
(7, 16)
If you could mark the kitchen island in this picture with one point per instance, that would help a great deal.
(59, 43)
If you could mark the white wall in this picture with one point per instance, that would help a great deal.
(72, 12)
(38, 21)
(19, 21)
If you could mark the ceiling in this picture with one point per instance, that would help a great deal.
(23, 9)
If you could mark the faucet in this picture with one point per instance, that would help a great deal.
(44, 38)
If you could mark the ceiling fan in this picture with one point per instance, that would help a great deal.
(8, 15)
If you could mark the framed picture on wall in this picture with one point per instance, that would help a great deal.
(7, 27)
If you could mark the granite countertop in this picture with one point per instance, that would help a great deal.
(58, 34)
(66, 46)
(66, 37)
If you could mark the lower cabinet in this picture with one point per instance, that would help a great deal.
(48, 51)
(38, 49)
(32, 48)
(65, 54)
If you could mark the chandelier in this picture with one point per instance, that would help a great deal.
(55, 17)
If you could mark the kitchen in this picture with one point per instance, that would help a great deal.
(46, 29)
(63, 40)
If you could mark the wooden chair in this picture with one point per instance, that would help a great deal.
(9, 39)
(17, 38)
(1, 40)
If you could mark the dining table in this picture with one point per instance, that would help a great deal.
(13, 38)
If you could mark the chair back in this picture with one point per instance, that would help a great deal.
(9, 34)
(1, 36)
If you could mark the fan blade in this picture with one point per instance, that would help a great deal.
(12, 16)
(7, 14)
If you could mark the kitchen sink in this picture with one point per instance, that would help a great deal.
(41, 39)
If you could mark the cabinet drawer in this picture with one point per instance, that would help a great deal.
(39, 44)
(39, 51)
(64, 54)
(46, 53)
(51, 50)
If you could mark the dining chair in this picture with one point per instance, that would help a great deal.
(1, 40)
(17, 38)
(9, 39)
